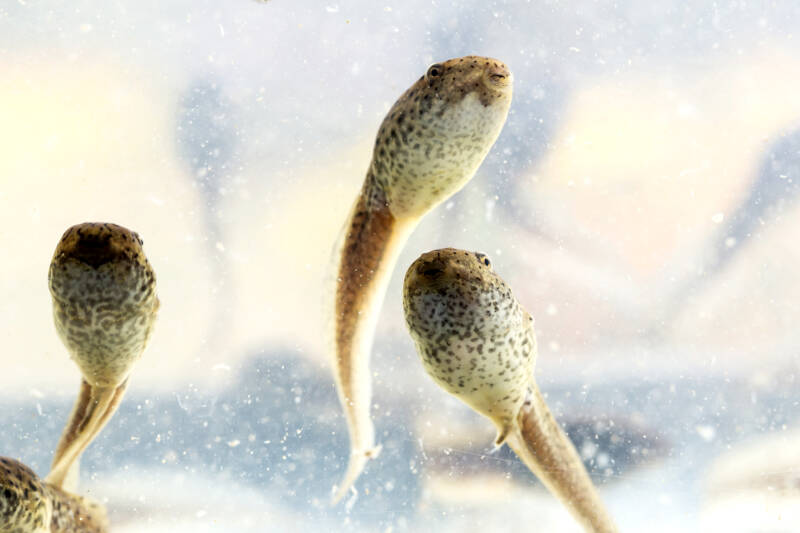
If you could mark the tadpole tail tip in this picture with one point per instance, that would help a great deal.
(358, 460)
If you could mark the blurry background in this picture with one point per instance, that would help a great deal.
(641, 201)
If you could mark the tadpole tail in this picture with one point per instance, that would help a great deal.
(93, 409)
(363, 263)
(547, 451)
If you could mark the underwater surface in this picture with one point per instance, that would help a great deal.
(242, 456)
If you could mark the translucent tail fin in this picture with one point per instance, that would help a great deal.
(355, 466)
(93, 409)
(547, 451)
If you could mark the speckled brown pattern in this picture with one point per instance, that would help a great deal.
(429, 145)
(437, 134)
(478, 344)
(29, 505)
(104, 308)
(474, 339)
(24, 502)
(76, 514)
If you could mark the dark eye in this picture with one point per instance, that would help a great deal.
(434, 71)
(483, 259)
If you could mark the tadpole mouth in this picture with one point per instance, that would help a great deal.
(431, 270)
(94, 250)
(498, 76)
(443, 270)
(95, 244)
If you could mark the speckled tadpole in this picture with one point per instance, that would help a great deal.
(478, 344)
(428, 146)
(104, 308)
(30, 505)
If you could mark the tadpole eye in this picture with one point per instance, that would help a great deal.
(434, 71)
(483, 259)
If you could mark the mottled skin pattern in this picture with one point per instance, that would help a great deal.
(429, 145)
(478, 344)
(104, 308)
(30, 505)
(474, 339)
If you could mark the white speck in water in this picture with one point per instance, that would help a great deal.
(717, 218)
(39, 408)
(554, 346)
(36, 393)
(201, 513)
(85, 28)
(234, 443)
(332, 9)
(170, 457)
(588, 449)
(706, 432)
(489, 209)
(449, 205)
(221, 30)
(552, 310)
(220, 247)
(602, 460)
(178, 399)
(730, 242)
(221, 366)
